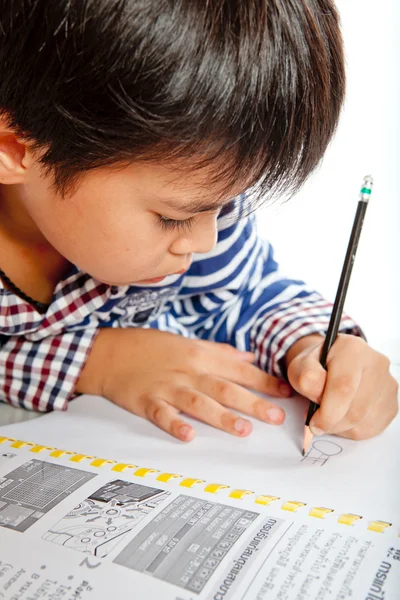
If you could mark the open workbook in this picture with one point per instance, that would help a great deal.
(97, 504)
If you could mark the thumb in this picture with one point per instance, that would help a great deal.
(307, 376)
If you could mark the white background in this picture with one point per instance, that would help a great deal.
(310, 232)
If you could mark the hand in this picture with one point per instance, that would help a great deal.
(158, 375)
(357, 394)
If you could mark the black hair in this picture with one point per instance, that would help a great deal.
(254, 87)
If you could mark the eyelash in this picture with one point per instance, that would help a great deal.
(175, 225)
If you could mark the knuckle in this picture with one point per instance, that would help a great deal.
(359, 434)
(268, 382)
(194, 401)
(194, 351)
(344, 386)
(356, 414)
(227, 347)
(223, 390)
(383, 362)
(179, 376)
(307, 379)
(351, 340)
(154, 412)
(243, 370)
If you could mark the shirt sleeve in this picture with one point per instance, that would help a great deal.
(238, 295)
(42, 375)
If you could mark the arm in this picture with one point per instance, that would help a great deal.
(42, 375)
(238, 295)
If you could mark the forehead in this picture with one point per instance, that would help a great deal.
(191, 190)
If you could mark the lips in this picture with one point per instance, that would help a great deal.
(158, 279)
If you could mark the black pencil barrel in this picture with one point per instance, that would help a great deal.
(336, 316)
(337, 310)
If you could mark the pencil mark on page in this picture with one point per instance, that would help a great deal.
(321, 451)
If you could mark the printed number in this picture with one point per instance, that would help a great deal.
(88, 564)
(394, 553)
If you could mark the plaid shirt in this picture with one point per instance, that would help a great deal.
(234, 294)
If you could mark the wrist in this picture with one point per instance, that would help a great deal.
(301, 344)
(93, 374)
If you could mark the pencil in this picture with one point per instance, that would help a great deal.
(337, 309)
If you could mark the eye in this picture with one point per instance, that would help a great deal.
(174, 224)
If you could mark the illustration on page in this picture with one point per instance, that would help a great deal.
(100, 522)
(33, 489)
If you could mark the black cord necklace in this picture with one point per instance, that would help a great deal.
(41, 307)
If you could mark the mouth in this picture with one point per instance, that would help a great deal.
(158, 279)
(152, 280)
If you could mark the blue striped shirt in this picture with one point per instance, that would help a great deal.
(234, 294)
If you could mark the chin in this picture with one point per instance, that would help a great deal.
(114, 283)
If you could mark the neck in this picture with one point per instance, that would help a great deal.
(26, 257)
(15, 221)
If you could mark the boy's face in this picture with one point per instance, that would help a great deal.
(135, 224)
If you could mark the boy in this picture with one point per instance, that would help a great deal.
(127, 127)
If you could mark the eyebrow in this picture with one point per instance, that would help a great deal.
(195, 206)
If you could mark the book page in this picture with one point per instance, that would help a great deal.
(71, 529)
(349, 476)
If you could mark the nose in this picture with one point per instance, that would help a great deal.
(200, 240)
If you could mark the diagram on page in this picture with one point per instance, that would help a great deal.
(188, 540)
(33, 489)
(101, 521)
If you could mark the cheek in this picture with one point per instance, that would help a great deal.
(110, 246)
(100, 233)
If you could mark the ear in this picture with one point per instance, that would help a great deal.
(14, 156)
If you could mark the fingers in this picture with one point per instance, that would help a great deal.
(341, 404)
(202, 407)
(250, 376)
(382, 414)
(357, 380)
(219, 349)
(353, 404)
(238, 398)
(335, 389)
(209, 402)
(307, 376)
(232, 364)
(167, 417)
(209, 398)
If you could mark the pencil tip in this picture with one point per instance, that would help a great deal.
(307, 439)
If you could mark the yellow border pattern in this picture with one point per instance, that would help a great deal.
(348, 519)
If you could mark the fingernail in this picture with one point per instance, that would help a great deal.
(275, 415)
(285, 389)
(186, 432)
(241, 426)
(316, 430)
